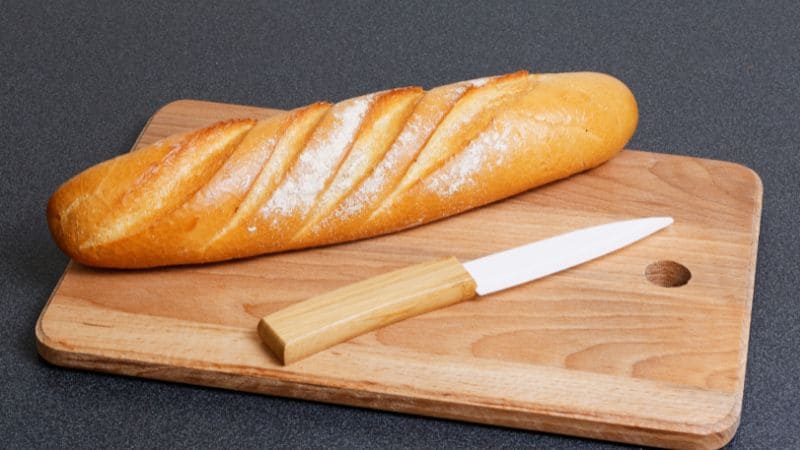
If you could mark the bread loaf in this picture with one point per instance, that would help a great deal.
(328, 173)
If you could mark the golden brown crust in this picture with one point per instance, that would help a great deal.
(330, 173)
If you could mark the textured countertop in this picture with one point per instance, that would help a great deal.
(79, 80)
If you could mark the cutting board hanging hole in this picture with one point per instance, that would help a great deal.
(667, 274)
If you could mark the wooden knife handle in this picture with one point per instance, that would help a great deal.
(320, 322)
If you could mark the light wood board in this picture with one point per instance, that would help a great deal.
(595, 351)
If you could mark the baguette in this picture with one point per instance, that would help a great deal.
(328, 173)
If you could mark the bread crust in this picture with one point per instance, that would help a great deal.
(327, 173)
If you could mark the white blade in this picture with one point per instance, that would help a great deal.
(529, 262)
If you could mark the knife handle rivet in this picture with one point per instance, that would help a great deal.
(666, 273)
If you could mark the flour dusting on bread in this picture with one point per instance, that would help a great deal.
(316, 163)
(484, 153)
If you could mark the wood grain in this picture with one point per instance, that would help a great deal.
(596, 351)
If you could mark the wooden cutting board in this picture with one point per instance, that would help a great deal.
(597, 351)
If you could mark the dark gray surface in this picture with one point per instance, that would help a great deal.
(79, 81)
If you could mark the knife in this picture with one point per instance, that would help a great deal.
(310, 326)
